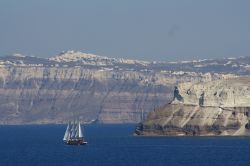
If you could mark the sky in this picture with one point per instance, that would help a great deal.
(160, 30)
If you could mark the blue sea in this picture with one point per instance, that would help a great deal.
(114, 145)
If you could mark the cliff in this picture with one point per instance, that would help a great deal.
(55, 95)
(95, 88)
(213, 108)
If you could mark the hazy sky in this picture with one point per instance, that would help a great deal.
(139, 29)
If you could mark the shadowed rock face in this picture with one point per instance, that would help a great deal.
(214, 108)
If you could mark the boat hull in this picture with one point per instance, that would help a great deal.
(76, 142)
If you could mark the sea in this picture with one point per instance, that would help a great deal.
(115, 145)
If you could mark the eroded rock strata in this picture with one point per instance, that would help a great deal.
(55, 95)
(215, 108)
(95, 88)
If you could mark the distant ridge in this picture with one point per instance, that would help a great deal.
(240, 65)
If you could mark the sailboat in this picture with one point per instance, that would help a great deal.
(74, 135)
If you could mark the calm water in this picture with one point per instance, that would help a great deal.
(115, 145)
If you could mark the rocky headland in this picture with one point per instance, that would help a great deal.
(214, 108)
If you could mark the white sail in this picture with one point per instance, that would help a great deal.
(73, 134)
(66, 135)
(80, 135)
(69, 136)
(76, 130)
(72, 131)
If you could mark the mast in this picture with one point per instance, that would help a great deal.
(66, 135)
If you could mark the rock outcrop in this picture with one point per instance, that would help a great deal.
(215, 108)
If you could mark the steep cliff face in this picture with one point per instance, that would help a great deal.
(219, 107)
(54, 95)
(90, 87)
